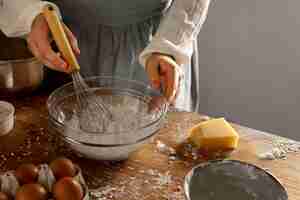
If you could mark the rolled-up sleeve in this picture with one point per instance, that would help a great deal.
(16, 16)
(177, 31)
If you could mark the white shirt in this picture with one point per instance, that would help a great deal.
(175, 35)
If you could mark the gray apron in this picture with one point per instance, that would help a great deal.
(112, 34)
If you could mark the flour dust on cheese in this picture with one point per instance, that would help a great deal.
(214, 135)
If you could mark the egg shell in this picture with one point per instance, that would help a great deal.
(46, 177)
(9, 183)
(80, 179)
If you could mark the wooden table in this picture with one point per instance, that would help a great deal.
(148, 174)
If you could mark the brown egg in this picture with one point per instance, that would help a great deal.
(63, 167)
(67, 188)
(27, 173)
(32, 191)
(3, 196)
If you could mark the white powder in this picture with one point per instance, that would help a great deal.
(126, 115)
(134, 187)
(129, 114)
(103, 192)
(278, 149)
(163, 148)
(164, 179)
(167, 150)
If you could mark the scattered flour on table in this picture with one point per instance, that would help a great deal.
(137, 187)
(278, 149)
(165, 149)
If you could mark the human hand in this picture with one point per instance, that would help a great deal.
(39, 43)
(164, 73)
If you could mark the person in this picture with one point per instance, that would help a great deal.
(154, 41)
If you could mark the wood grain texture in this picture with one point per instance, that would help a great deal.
(139, 177)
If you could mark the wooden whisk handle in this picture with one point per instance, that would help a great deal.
(60, 37)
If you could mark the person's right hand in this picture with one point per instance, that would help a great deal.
(39, 41)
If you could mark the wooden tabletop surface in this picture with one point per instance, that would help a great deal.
(149, 174)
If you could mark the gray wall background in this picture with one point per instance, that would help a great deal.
(249, 60)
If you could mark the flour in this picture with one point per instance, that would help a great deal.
(278, 149)
(163, 179)
(126, 115)
(155, 185)
(130, 117)
(165, 149)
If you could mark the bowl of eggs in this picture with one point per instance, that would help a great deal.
(61, 180)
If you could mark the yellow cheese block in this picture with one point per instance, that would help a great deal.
(214, 135)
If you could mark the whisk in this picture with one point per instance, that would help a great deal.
(91, 108)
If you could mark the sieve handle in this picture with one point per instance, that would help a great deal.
(60, 37)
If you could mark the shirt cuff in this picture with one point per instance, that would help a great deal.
(182, 53)
(26, 18)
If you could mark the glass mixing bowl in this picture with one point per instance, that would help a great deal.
(139, 108)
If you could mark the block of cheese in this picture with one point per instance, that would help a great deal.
(214, 135)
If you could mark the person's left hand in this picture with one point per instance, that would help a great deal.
(164, 73)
